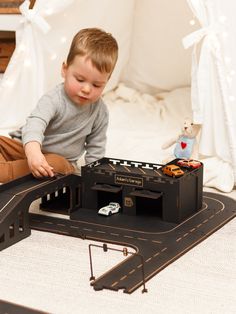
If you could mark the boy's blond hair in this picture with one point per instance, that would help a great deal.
(96, 44)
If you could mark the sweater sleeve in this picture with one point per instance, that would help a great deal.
(96, 140)
(38, 120)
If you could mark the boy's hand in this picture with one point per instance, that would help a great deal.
(37, 162)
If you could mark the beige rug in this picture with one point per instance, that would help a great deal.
(51, 273)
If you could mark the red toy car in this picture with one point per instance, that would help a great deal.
(189, 163)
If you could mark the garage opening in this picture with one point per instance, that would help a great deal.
(107, 193)
(148, 203)
(61, 201)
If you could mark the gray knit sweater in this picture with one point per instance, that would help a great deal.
(67, 129)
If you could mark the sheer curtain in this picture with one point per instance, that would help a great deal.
(43, 36)
(211, 99)
(24, 79)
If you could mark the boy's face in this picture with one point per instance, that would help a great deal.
(83, 83)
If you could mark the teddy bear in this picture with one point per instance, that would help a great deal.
(186, 146)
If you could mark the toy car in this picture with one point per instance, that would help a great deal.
(189, 163)
(172, 171)
(111, 208)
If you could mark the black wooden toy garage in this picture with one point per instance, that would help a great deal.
(142, 189)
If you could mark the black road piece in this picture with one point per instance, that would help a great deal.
(12, 308)
(158, 243)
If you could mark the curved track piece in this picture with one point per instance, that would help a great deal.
(158, 248)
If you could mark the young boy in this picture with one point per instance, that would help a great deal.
(69, 120)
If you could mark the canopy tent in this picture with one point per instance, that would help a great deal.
(152, 36)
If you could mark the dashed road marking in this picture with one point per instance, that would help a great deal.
(155, 241)
(114, 234)
(86, 229)
(142, 239)
(115, 283)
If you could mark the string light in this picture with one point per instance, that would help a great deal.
(27, 63)
(192, 22)
(21, 48)
(53, 56)
(49, 11)
(63, 39)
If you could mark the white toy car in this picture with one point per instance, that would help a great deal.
(111, 208)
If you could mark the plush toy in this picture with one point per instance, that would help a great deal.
(186, 143)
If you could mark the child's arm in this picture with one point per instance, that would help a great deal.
(37, 162)
(33, 134)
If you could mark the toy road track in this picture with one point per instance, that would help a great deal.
(15, 199)
(9, 307)
(156, 241)
(157, 248)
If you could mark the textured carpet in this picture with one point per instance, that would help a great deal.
(50, 272)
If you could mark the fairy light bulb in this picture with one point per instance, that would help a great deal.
(53, 56)
(21, 47)
(192, 22)
(27, 63)
(63, 39)
(49, 11)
